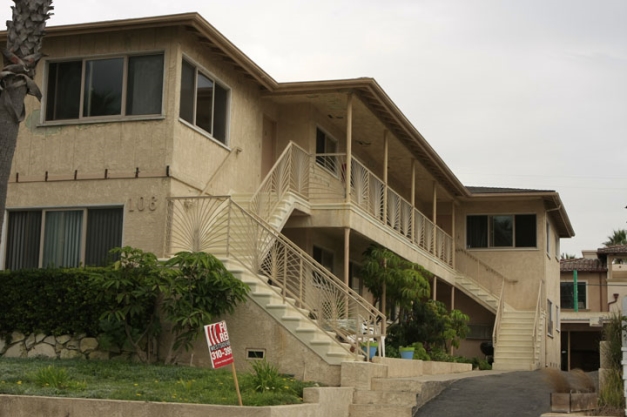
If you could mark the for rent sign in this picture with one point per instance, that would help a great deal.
(219, 345)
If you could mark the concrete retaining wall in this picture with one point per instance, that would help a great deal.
(327, 402)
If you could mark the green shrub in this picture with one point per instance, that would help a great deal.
(52, 301)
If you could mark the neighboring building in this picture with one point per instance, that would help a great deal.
(601, 285)
(159, 133)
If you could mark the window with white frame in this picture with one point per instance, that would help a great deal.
(204, 101)
(105, 87)
(501, 231)
(557, 247)
(62, 237)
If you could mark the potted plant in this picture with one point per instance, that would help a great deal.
(372, 346)
(407, 352)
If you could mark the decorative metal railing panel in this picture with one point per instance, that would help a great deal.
(290, 173)
(304, 283)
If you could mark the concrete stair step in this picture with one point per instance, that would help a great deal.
(396, 384)
(379, 410)
(404, 398)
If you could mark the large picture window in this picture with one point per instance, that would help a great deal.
(204, 102)
(117, 86)
(62, 238)
(501, 231)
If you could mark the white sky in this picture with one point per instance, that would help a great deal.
(527, 94)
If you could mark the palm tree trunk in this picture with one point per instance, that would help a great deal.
(24, 40)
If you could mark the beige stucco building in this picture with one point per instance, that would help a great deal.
(601, 284)
(159, 133)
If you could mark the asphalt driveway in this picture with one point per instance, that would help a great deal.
(511, 394)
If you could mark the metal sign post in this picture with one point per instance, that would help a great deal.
(220, 350)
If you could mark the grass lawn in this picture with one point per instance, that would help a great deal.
(121, 380)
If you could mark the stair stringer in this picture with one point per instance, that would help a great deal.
(296, 321)
(478, 293)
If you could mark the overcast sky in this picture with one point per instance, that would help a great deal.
(527, 94)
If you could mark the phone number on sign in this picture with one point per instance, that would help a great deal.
(222, 352)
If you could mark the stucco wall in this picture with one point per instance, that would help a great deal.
(196, 155)
(526, 265)
(143, 199)
(252, 328)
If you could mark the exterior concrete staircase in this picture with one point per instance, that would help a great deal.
(514, 349)
(477, 293)
(295, 320)
(397, 387)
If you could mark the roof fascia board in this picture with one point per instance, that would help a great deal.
(192, 20)
(374, 90)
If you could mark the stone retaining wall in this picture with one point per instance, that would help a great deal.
(60, 347)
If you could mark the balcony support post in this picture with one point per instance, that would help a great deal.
(453, 233)
(434, 237)
(413, 200)
(385, 176)
(347, 237)
(452, 308)
(349, 147)
(435, 288)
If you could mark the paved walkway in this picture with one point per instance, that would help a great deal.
(506, 394)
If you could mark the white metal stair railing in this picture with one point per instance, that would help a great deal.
(537, 328)
(220, 226)
(290, 173)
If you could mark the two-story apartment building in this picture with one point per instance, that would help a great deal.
(159, 133)
(601, 277)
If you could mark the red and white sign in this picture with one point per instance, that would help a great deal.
(219, 345)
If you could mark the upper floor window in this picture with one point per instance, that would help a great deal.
(117, 86)
(567, 295)
(204, 102)
(62, 238)
(501, 231)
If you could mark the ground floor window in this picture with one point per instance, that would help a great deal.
(62, 238)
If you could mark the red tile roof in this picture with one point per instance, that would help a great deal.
(582, 264)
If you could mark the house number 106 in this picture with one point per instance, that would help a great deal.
(142, 204)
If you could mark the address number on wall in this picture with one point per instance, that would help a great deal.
(142, 203)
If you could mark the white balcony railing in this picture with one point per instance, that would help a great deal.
(380, 202)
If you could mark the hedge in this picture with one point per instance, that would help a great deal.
(50, 301)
